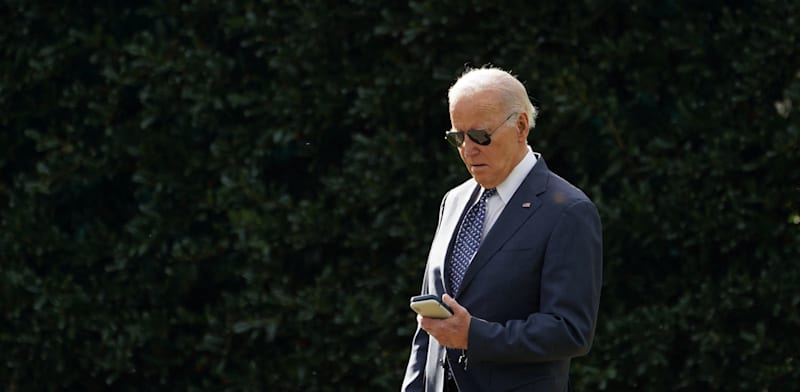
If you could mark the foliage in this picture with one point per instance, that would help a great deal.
(240, 195)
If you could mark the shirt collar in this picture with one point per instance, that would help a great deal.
(509, 186)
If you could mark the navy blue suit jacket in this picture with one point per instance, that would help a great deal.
(533, 290)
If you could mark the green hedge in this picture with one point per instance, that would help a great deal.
(240, 195)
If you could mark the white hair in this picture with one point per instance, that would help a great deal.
(510, 89)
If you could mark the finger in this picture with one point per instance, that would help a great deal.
(452, 303)
(447, 299)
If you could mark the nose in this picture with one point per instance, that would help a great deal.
(470, 147)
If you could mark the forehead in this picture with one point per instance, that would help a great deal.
(475, 110)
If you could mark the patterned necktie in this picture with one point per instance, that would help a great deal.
(468, 240)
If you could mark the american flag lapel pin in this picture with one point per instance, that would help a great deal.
(526, 204)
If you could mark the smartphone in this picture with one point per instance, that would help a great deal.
(430, 305)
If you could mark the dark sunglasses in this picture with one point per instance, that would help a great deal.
(479, 136)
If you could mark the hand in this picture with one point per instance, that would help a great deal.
(451, 332)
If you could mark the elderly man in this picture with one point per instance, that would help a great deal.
(517, 256)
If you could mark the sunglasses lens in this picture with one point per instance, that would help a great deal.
(479, 136)
(455, 138)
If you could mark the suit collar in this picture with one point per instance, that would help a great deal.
(510, 185)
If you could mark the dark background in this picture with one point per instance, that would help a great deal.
(201, 195)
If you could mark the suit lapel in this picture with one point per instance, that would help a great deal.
(523, 204)
(458, 200)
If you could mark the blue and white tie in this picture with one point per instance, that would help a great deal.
(468, 240)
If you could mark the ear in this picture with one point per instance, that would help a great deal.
(522, 126)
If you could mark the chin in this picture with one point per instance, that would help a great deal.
(484, 183)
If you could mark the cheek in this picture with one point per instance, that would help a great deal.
(494, 158)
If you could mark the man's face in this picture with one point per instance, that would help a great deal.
(489, 165)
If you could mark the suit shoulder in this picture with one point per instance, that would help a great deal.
(564, 193)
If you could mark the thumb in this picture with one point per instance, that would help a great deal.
(452, 303)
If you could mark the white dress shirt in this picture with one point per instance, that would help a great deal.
(496, 203)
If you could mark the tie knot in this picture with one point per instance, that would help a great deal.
(488, 193)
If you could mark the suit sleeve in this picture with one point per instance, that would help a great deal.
(569, 299)
(414, 379)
